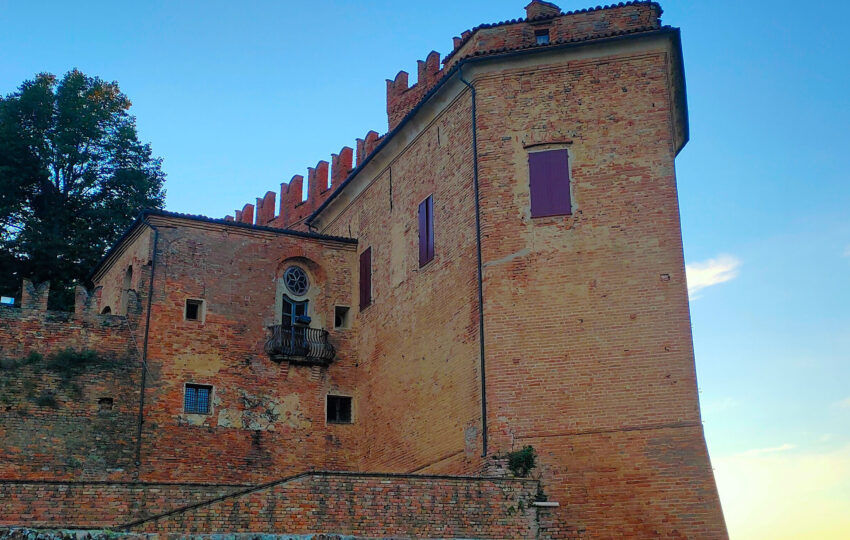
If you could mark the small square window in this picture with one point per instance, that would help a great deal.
(339, 409)
(194, 310)
(542, 37)
(105, 404)
(196, 399)
(341, 317)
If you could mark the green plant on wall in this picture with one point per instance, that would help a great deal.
(520, 462)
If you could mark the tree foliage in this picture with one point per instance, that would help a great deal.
(73, 175)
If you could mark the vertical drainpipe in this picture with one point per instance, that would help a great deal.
(480, 271)
(145, 351)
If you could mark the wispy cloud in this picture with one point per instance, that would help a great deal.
(770, 450)
(844, 403)
(847, 251)
(720, 405)
(711, 272)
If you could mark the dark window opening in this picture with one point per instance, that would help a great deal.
(194, 309)
(104, 404)
(341, 316)
(426, 231)
(339, 410)
(366, 279)
(542, 37)
(196, 400)
(106, 311)
(294, 319)
(549, 183)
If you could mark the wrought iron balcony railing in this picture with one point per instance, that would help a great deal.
(299, 344)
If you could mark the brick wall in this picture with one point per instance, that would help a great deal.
(52, 422)
(267, 419)
(95, 504)
(373, 506)
(587, 314)
(417, 342)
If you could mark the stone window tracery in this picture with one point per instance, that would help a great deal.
(296, 281)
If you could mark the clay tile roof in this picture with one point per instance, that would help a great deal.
(544, 17)
(142, 219)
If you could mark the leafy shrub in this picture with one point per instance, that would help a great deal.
(520, 462)
(33, 358)
(69, 362)
(46, 399)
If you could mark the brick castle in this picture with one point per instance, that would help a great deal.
(502, 269)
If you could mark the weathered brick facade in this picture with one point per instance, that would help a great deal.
(569, 333)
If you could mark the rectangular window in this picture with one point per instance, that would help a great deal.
(549, 179)
(341, 317)
(194, 310)
(196, 399)
(426, 231)
(339, 410)
(366, 279)
(542, 37)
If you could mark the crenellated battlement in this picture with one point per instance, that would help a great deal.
(34, 297)
(293, 208)
(542, 18)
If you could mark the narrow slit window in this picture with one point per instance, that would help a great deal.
(339, 410)
(426, 231)
(194, 310)
(196, 399)
(366, 279)
(549, 183)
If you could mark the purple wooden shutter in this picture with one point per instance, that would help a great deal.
(549, 178)
(365, 278)
(426, 231)
(423, 232)
(430, 247)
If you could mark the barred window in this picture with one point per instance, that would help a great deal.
(196, 399)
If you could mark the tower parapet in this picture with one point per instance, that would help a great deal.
(545, 24)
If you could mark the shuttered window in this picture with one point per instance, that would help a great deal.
(426, 231)
(365, 278)
(549, 179)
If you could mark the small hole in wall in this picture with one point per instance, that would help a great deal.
(105, 404)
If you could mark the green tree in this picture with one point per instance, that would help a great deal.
(73, 175)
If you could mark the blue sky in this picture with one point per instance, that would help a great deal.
(238, 97)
